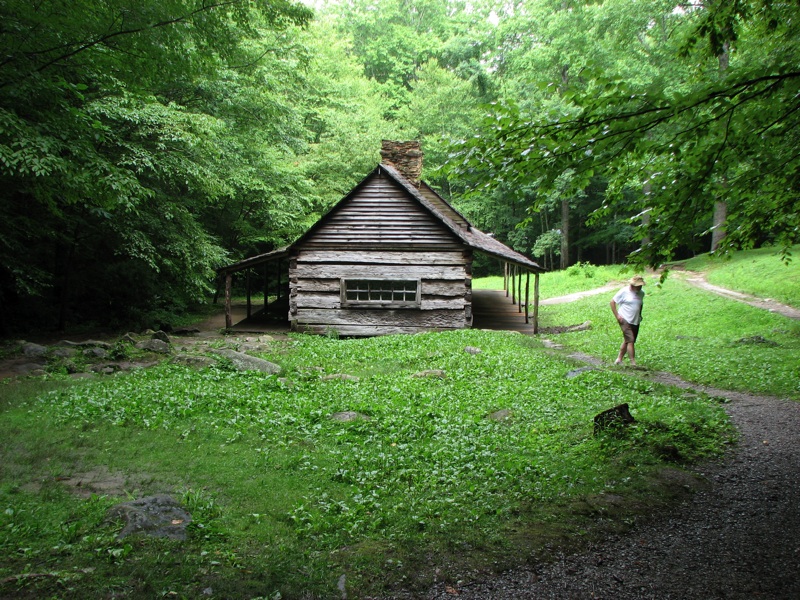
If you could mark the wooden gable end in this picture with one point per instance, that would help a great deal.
(381, 214)
(345, 273)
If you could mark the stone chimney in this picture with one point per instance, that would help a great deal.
(406, 157)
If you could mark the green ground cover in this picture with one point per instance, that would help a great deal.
(286, 499)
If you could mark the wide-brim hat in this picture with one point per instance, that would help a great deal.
(637, 280)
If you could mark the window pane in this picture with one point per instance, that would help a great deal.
(380, 291)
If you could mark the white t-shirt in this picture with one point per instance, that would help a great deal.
(629, 304)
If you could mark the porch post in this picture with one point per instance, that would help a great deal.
(513, 276)
(527, 293)
(249, 304)
(536, 303)
(228, 285)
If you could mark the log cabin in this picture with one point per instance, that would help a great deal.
(392, 256)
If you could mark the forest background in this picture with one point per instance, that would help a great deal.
(143, 145)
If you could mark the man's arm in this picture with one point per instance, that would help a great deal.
(614, 310)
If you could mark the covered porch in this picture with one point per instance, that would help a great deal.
(503, 310)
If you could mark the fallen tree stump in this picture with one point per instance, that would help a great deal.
(613, 417)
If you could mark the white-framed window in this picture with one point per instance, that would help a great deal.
(380, 292)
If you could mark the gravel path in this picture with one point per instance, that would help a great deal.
(740, 539)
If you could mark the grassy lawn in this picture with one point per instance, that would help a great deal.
(757, 272)
(577, 278)
(697, 335)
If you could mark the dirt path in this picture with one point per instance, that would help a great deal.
(699, 281)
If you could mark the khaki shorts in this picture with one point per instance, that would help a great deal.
(629, 332)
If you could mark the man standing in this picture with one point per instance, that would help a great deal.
(627, 308)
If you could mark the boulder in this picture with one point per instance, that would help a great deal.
(348, 416)
(95, 352)
(585, 326)
(435, 373)
(154, 516)
(198, 362)
(85, 344)
(341, 376)
(578, 371)
(186, 331)
(64, 352)
(245, 362)
(161, 335)
(504, 414)
(31, 349)
(158, 346)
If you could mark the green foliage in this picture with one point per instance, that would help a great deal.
(119, 127)
(681, 135)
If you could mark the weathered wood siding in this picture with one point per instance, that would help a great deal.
(380, 233)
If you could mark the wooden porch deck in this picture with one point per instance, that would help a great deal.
(492, 309)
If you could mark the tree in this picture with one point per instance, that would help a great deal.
(112, 128)
(691, 140)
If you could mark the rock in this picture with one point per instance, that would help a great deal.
(161, 335)
(252, 348)
(245, 362)
(85, 344)
(551, 344)
(158, 346)
(756, 339)
(129, 338)
(186, 332)
(578, 371)
(198, 362)
(35, 350)
(154, 516)
(586, 325)
(438, 373)
(349, 415)
(504, 414)
(472, 350)
(95, 352)
(342, 376)
(64, 352)
(29, 369)
(613, 417)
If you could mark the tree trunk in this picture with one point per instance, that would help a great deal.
(646, 190)
(720, 206)
(564, 233)
(718, 229)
